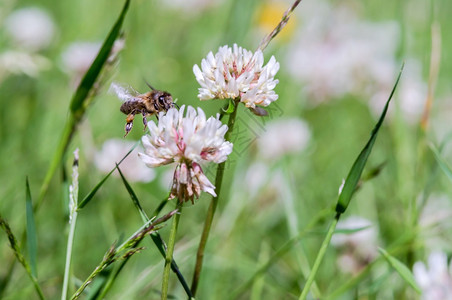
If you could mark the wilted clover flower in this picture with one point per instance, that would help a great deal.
(188, 141)
(237, 73)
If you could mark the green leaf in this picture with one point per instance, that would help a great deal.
(441, 162)
(230, 107)
(32, 240)
(358, 166)
(401, 269)
(156, 238)
(350, 231)
(98, 186)
(133, 196)
(78, 101)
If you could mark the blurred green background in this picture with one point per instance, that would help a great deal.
(260, 210)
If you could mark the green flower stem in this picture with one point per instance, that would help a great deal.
(319, 258)
(213, 206)
(70, 242)
(170, 251)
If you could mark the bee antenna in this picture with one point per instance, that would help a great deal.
(175, 104)
(150, 86)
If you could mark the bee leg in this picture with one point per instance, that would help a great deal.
(129, 123)
(145, 121)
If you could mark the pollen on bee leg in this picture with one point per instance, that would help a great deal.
(128, 128)
(145, 121)
(129, 123)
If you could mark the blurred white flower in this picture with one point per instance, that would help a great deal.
(78, 57)
(337, 54)
(436, 280)
(30, 28)
(358, 248)
(17, 62)
(113, 151)
(410, 96)
(283, 137)
(187, 141)
(237, 73)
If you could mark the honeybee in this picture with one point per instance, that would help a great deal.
(147, 104)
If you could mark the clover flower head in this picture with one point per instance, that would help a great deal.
(187, 140)
(237, 73)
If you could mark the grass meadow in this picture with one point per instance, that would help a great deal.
(279, 204)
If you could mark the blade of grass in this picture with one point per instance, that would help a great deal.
(441, 162)
(80, 101)
(403, 270)
(156, 238)
(348, 190)
(319, 258)
(126, 249)
(93, 192)
(358, 166)
(280, 252)
(16, 249)
(133, 196)
(78, 105)
(32, 240)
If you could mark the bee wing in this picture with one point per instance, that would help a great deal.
(125, 93)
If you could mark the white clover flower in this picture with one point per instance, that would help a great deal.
(436, 281)
(113, 151)
(30, 28)
(237, 73)
(188, 141)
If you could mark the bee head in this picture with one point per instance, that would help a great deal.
(164, 100)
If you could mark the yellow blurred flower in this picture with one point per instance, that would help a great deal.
(269, 15)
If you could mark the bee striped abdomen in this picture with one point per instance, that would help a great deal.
(129, 107)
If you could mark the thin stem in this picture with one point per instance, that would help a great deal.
(212, 206)
(70, 242)
(319, 258)
(19, 256)
(73, 201)
(170, 251)
(284, 20)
